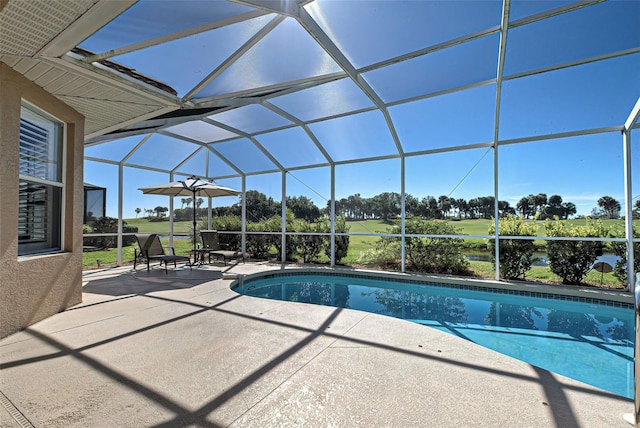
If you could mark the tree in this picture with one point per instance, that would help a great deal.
(444, 205)
(539, 201)
(636, 209)
(505, 209)
(524, 206)
(463, 207)
(303, 208)
(569, 208)
(387, 204)
(411, 205)
(160, 211)
(138, 211)
(473, 208)
(554, 207)
(260, 207)
(428, 207)
(610, 206)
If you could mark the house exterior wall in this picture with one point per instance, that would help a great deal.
(35, 287)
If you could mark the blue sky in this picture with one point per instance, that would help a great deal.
(580, 169)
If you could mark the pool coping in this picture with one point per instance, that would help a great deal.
(613, 298)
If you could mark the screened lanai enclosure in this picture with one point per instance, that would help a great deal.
(415, 114)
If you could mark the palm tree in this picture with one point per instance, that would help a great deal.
(524, 205)
(138, 211)
(569, 208)
(610, 206)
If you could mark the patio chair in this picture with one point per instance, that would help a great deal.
(211, 243)
(151, 249)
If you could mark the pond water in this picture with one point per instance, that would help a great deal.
(541, 259)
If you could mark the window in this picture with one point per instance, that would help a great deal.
(41, 184)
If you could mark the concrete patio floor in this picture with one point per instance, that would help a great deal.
(146, 349)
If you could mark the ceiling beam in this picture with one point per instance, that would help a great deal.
(114, 79)
(633, 118)
(235, 56)
(312, 27)
(282, 7)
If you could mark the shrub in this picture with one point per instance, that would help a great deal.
(259, 246)
(516, 255)
(386, 254)
(229, 223)
(307, 247)
(620, 250)
(342, 242)
(572, 260)
(274, 224)
(434, 255)
(110, 225)
(424, 254)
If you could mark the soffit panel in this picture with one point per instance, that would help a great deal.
(10, 60)
(50, 76)
(23, 65)
(28, 26)
(37, 71)
(103, 114)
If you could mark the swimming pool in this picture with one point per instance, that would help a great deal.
(589, 339)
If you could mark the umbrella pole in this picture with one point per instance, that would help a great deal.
(194, 225)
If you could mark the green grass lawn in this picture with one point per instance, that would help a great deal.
(470, 227)
(146, 226)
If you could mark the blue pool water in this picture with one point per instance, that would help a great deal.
(589, 342)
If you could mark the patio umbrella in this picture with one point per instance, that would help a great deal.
(193, 187)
